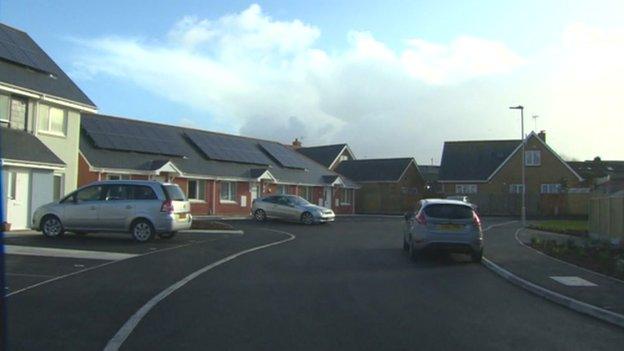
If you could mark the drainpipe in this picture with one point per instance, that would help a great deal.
(214, 196)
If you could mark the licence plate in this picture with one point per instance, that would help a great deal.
(450, 227)
(182, 216)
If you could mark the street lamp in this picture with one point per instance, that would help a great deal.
(523, 211)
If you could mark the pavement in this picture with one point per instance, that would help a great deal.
(347, 285)
(575, 287)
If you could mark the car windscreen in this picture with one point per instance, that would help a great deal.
(298, 200)
(448, 211)
(174, 192)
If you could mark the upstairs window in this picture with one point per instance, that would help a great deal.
(466, 188)
(515, 188)
(532, 158)
(197, 189)
(52, 120)
(550, 188)
(13, 112)
(4, 110)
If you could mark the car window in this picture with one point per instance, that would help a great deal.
(283, 201)
(116, 193)
(174, 192)
(271, 199)
(142, 192)
(92, 193)
(448, 211)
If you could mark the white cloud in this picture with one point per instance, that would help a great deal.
(269, 78)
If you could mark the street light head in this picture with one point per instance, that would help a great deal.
(519, 107)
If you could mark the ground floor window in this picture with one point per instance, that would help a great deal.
(550, 188)
(305, 192)
(466, 188)
(345, 196)
(58, 187)
(118, 176)
(228, 191)
(282, 190)
(515, 188)
(196, 189)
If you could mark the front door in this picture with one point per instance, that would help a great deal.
(17, 198)
(327, 198)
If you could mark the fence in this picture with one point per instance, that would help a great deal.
(606, 217)
(537, 205)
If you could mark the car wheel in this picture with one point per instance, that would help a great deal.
(477, 256)
(142, 230)
(260, 215)
(405, 244)
(52, 227)
(307, 218)
(167, 235)
(413, 252)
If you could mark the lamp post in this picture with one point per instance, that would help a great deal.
(523, 211)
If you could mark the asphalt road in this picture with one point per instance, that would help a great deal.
(347, 286)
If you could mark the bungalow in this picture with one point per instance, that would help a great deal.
(40, 110)
(221, 174)
(489, 173)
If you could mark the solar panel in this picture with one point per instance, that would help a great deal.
(129, 136)
(228, 148)
(285, 156)
(16, 47)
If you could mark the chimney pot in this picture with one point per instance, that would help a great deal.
(296, 144)
(542, 135)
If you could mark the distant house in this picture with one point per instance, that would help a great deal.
(387, 186)
(329, 156)
(603, 177)
(489, 173)
(40, 110)
(221, 174)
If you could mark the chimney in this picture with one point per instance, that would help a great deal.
(296, 144)
(542, 135)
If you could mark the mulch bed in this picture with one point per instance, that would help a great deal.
(210, 225)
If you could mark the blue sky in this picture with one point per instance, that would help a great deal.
(417, 72)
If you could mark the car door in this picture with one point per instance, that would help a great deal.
(280, 207)
(81, 210)
(270, 206)
(291, 211)
(116, 207)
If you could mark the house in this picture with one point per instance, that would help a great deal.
(431, 174)
(603, 177)
(327, 155)
(221, 174)
(387, 186)
(40, 110)
(489, 173)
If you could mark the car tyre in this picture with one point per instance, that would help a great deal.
(307, 218)
(51, 226)
(260, 215)
(414, 254)
(405, 244)
(142, 230)
(167, 235)
(477, 256)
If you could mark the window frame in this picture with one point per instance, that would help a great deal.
(200, 190)
(61, 186)
(49, 130)
(231, 192)
(279, 191)
(466, 189)
(118, 176)
(548, 187)
(7, 111)
(346, 193)
(530, 159)
(515, 188)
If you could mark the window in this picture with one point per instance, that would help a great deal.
(174, 192)
(449, 211)
(11, 180)
(466, 188)
(305, 192)
(51, 120)
(345, 196)
(142, 192)
(196, 189)
(228, 191)
(117, 193)
(532, 158)
(4, 110)
(281, 189)
(515, 188)
(13, 112)
(57, 187)
(343, 158)
(118, 177)
(551, 188)
(92, 193)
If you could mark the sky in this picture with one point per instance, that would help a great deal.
(391, 78)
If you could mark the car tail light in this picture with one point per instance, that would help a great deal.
(476, 220)
(421, 219)
(167, 207)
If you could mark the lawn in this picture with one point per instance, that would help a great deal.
(574, 227)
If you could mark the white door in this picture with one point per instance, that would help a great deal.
(18, 183)
(328, 197)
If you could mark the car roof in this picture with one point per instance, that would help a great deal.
(130, 182)
(427, 202)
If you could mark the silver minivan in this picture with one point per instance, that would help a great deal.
(443, 224)
(143, 208)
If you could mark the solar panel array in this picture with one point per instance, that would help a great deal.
(117, 134)
(227, 148)
(17, 48)
(285, 156)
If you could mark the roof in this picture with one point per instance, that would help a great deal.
(597, 169)
(19, 145)
(474, 160)
(374, 170)
(193, 161)
(429, 173)
(49, 80)
(325, 155)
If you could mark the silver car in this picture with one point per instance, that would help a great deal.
(143, 208)
(449, 225)
(292, 208)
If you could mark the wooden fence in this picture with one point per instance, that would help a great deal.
(606, 217)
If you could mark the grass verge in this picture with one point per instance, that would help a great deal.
(570, 227)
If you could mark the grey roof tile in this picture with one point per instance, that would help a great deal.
(474, 160)
(324, 155)
(374, 170)
(22, 146)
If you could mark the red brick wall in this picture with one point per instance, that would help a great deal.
(84, 175)
(341, 209)
(224, 208)
(138, 177)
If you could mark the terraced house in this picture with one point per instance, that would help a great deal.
(222, 174)
(489, 173)
(40, 110)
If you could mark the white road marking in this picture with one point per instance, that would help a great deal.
(572, 281)
(122, 334)
(65, 253)
(498, 225)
